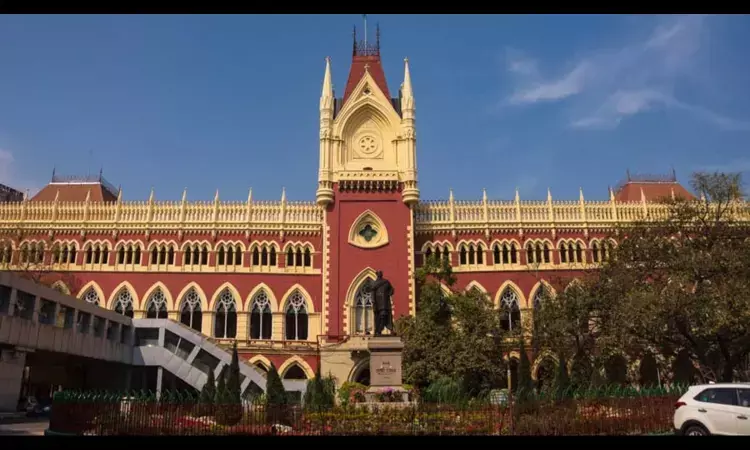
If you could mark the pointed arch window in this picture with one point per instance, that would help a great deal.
(261, 319)
(124, 303)
(510, 311)
(190, 312)
(295, 372)
(363, 312)
(91, 297)
(225, 322)
(157, 305)
(296, 318)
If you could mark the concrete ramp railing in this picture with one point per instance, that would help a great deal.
(190, 355)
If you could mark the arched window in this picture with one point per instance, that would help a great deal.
(91, 297)
(225, 323)
(261, 319)
(364, 315)
(124, 303)
(296, 318)
(157, 305)
(190, 312)
(295, 372)
(510, 312)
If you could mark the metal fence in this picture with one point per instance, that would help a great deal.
(606, 411)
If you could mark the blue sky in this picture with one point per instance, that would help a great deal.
(231, 102)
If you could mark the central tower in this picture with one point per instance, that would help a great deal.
(367, 184)
(367, 137)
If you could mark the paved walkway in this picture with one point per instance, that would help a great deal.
(28, 427)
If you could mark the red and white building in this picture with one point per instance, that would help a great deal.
(283, 278)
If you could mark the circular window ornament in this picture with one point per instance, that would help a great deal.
(368, 144)
(368, 231)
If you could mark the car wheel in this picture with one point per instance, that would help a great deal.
(695, 430)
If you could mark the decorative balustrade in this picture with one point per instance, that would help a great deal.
(278, 216)
(308, 217)
(459, 214)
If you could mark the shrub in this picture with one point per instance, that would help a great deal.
(320, 394)
(351, 392)
(207, 397)
(444, 390)
(230, 412)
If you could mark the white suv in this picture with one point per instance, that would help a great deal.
(721, 408)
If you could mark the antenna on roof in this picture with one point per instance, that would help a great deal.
(354, 39)
(674, 175)
(53, 173)
(101, 170)
(364, 17)
(377, 36)
(627, 172)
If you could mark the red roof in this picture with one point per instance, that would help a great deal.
(74, 192)
(654, 191)
(366, 56)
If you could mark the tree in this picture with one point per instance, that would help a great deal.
(276, 394)
(525, 384)
(277, 398)
(683, 281)
(208, 395)
(221, 390)
(454, 334)
(562, 381)
(318, 394)
(233, 378)
(230, 409)
(570, 323)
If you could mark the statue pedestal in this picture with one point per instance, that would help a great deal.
(385, 367)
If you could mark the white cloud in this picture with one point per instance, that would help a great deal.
(572, 83)
(639, 76)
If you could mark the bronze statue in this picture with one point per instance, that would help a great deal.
(381, 290)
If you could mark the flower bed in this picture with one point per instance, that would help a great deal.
(573, 416)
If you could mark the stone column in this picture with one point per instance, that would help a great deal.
(385, 366)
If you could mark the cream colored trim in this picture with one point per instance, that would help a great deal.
(233, 290)
(368, 217)
(308, 298)
(475, 284)
(204, 299)
(93, 285)
(545, 354)
(247, 306)
(536, 287)
(164, 290)
(116, 292)
(351, 292)
(62, 286)
(309, 372)
(200, 243)
(260, 359)
(510, 284)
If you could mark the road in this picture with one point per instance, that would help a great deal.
(28, 427)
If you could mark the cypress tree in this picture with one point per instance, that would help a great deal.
(230, 411)
(221, 389)
(233, 378)
(208, 393)
(275, 393)
(525, 384)
(562, 380)
(276, 398)
(208, 396)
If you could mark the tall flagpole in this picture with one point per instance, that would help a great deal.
(364, 17)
